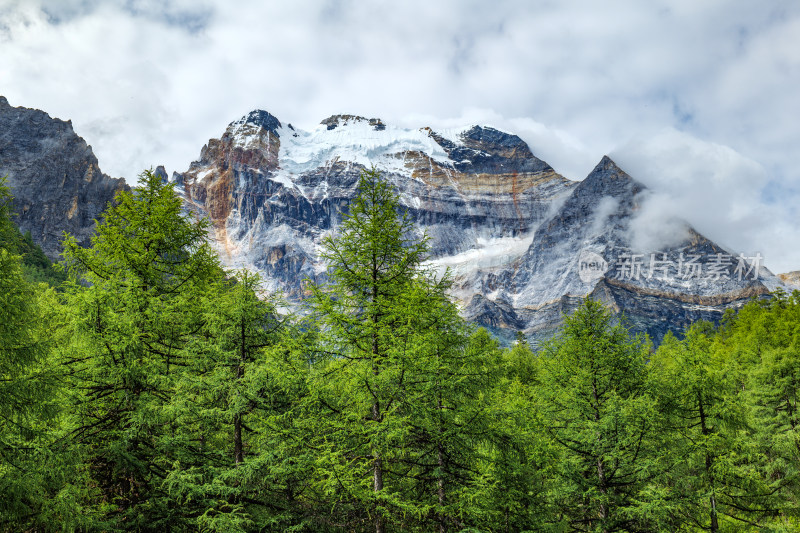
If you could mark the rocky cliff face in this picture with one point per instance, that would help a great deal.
(524, 243)
(54, 176)
(587, 248)
(791, 279)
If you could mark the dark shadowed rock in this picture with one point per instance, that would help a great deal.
(55, 178)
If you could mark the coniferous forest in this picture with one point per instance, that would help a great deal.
(143, 387)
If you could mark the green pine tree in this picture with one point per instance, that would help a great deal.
(229, 407)
(597, 407)
(399, 388)
(34, 476)
(759, 348)
(714, 481)
(134, 309)
(765, 337)
(520, 461)
(373, 262)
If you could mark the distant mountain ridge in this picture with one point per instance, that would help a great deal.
(791, 279)
(524, 244)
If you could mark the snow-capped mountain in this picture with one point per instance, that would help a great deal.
(272, 191)
(524, 243)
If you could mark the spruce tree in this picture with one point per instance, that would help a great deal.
(597, 407)
(398, 388)
(134, 306)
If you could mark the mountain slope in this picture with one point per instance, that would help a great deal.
(53, 175)
(686, 279)
(523, 243)
(513, 232)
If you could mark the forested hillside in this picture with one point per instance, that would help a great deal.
(150, 389)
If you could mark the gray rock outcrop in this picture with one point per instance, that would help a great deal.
(54, 176)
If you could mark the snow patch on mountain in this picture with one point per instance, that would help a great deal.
(356, 142)
(489, 252)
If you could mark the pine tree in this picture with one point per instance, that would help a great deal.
(399, 388)
(596, 404)
(228, 407)
(28, 393)
(520, 459)
(765, 338)
(446, 402)
(761, 348)
(134, 309)
(714, 477)
(372, 263)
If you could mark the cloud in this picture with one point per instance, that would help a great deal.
(148, 82)
(717, 190)
(607, 206)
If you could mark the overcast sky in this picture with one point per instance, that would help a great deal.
(700, 99)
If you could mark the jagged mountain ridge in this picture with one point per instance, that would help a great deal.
(54, 176)
(510, 228)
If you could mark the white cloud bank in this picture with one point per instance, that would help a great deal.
(148, 82)
(717, 190)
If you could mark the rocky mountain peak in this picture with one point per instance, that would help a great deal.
(495, 142)
(588, 247)
(54, 176)
(482, 149)
(161, 173)
(334, 121)
(608, 179)
(606, 198)
(272, 199)
(258, 118)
